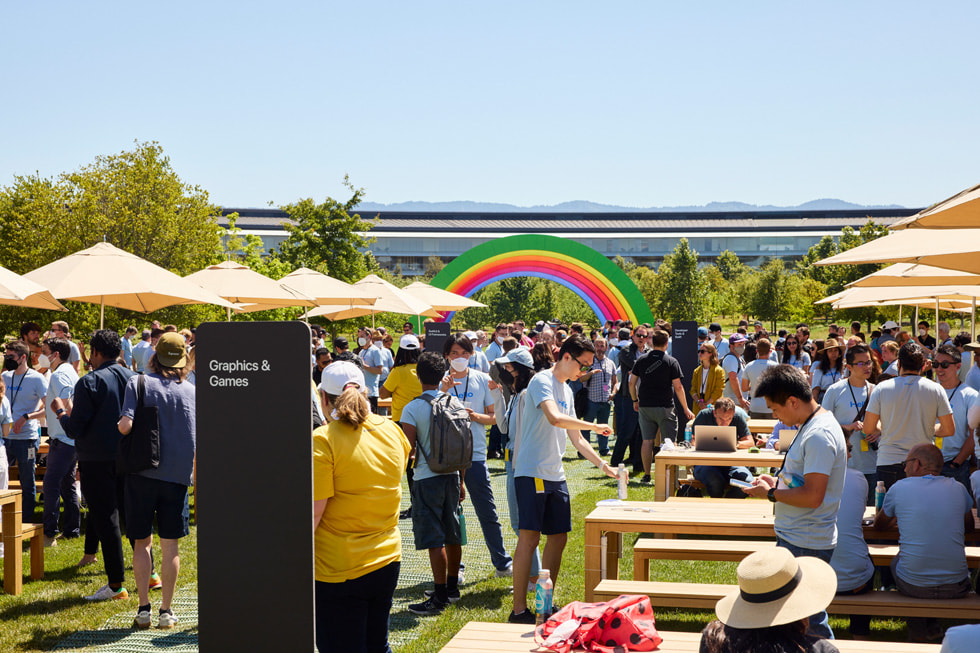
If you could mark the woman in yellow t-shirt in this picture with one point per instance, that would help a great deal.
(358, 460)
(403, 382)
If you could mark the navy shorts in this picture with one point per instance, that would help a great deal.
(435, 511)
(543, 506)
(147, 498)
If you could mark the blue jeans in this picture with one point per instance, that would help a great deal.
(626, 430)
(715, 480)
(597, 410)
(59, 483)
(819, 622)
(512, 508)
(23, 451)
(477, 481)
(353, 615)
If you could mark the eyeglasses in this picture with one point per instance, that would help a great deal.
(906, 463)
(584, 368)
(945, 364)
(861, 364)
(702, 351)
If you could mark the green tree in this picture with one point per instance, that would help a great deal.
(327, 237)
(729, 264)
(682, 288)
(773, 298)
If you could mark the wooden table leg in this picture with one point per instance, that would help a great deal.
(593, 560)
(13, 555)
(661, 480)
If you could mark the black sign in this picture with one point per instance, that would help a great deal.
(255, 463)
(436, 334)
(684, 347)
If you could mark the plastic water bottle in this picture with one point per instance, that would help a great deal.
(462, 526)
(543, 594)
(688, 431)
(879, 495)
(623, 479)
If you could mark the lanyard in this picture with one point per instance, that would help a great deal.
(954, 392)
(854, 399)
(13, 399)
(704, 379)
(799, 432)
(466, 388)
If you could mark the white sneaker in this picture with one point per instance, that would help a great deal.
(167, 620)
(142, 620)
(506, 572)
(106, 593)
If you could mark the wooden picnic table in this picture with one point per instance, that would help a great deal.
(13, 557)
(667, 462)
(762, 426)
(719, 518)
(483, 637)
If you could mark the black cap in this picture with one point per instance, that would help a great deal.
(714, 327)
(340, 343)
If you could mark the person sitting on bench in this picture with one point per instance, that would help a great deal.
(715, 479)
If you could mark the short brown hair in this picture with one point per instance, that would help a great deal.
(177, 374)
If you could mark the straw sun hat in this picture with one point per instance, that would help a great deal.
(775, 588)
(830, 343)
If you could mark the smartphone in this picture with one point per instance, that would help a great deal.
(739, 483)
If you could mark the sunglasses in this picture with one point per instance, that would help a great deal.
(945, 364)
(583, 368)
(702, 351)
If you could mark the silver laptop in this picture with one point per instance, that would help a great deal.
(786, 437)
(714, 439)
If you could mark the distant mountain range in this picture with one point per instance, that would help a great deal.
(582, 206)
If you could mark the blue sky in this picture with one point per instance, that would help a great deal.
(628, 103)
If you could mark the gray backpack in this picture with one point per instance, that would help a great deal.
(450, 437)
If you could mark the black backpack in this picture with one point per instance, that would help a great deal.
(450, 437)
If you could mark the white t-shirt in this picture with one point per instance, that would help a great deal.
(930, 511)
(753, 371)
(824, 380)
(61, 385)
(721, 348)
(818, 448)
(960, 400)
(908, 407)
(851, 560)
(475, 389)
(732, 364)
(838, 400)
(801, 362)
(539, 447)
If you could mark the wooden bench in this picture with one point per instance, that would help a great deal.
(482, 637)
(647, 549)
(34, 533)
(880, 603)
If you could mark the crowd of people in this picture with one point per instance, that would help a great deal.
(84, 418)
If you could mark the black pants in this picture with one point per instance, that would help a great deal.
(890, 474)
(494, 445)
(860, 623)
(353, 616)
(100, 490)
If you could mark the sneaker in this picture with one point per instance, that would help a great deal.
(428, 608)
(646, 480)
(453, 595)
(167, 620)
(155, 582)
(506, 572)
(50, 541)
(106, 593)
(462, 576)
(526, 617)
(406, 513)
(142, 620)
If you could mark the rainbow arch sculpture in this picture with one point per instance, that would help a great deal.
(608, 291)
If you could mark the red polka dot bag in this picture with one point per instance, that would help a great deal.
(622, 624)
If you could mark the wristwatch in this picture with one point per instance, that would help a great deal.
(771, 494)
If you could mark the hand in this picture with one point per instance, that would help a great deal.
(767, 479)
(18, 425)
(607, 469)
(757, 490)
(873, 437)
(603, 429)
(688, 414)
(447, 383)
(57, 404)
(746, 403)
(462, 492)
(856, 425)
(636, 405)
(493, 385)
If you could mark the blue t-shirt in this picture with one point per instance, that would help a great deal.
(25, 391)
(960, 400)
(372, 357)
(61, 385)
(127, 352)
(850, 559)
(418, 413)
(5, 415)
(475, 390)
(479, 362)
(818, 448)
(142, 353)
(176, 403)
(845, 407)
(930, 512)
(539, 447)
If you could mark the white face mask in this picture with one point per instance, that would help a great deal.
(377, 343)
(43, 361)
(500, 340)
(613, 342)
(459, 364)
(362, 341)
(922, 332)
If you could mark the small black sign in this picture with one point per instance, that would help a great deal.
(255, 482)
(684, 347)
(436, 334)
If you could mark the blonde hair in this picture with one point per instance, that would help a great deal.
(891, 346)
(352, 407)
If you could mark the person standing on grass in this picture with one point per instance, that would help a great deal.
(26, 389)
(808, 492)
(358, 460)
(539, 476)
(958, 449)
(160, 494)
(59, 477)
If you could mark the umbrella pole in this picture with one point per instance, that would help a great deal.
(973, 321)
(102, 314)
(372, 318)
(936, 323)
(915, 325)
(899, 317)
(229, 314)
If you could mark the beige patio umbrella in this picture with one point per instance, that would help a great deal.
(958, 212)
(16, 290)
(240, 284)
(950, 249)
(391, 299)
(106, 275)
(913, 274)
(441, 300)
(325, 289)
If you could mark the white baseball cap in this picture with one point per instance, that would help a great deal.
(339, 375)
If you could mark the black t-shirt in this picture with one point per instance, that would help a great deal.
(657, 372)
(627, 357)
(928, 342)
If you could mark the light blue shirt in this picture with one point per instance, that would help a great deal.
(61, 385)
(127, 352)
(540, 446)
(5, 415)
(24, 392)
(838, 400)
(798, 362)
(818, 448)
(850, 559)
(721, 348)
(142, 353)
(479, 362)
(475, 389)
(930, 512)
(387, 362)
(494, 351)
(74, 356)
(909, 407)
(418, 413)
(372, 357)
(960, 400)
(753, 372)
(973, 376)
